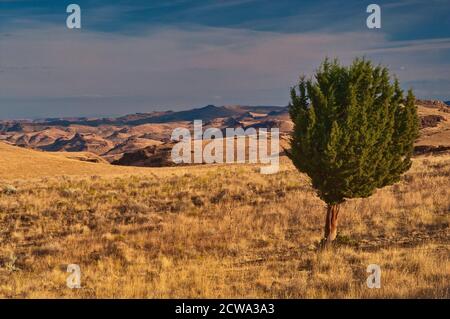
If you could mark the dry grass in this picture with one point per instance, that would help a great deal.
(220, 231)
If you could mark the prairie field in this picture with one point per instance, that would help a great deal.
(216, 231)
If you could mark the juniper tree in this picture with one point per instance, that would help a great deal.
(353, 132)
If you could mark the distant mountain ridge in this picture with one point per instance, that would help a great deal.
(144, 139)
(205, 113)
(111, 138)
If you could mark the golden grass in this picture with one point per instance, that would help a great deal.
(218, 231)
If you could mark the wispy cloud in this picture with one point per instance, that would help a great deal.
(173, 67)
(174, 54)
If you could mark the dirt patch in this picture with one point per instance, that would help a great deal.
(431, 150)
(431, 120)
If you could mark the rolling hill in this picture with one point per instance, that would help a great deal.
(18, 163)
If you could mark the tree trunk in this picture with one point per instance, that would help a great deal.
(331, 223)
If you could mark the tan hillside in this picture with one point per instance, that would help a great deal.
(16, 162)
(21, 163)
(129, 145)
(82, 156)
(438, 131)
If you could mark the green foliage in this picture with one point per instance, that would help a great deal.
(353, 129)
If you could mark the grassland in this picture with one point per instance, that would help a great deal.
(214, 231)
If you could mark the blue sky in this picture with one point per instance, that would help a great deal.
(138, 56)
